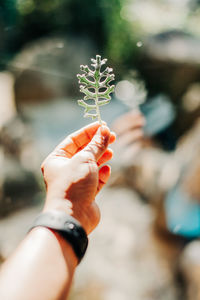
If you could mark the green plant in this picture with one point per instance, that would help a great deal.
(96, 86)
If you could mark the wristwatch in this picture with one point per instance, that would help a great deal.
(68, 227)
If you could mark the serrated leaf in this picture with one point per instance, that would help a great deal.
(101, 80)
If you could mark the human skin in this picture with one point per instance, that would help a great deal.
(130, 135)
(42, 267)
(129, 127)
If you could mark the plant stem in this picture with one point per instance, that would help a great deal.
(97, 106)
(91, 87)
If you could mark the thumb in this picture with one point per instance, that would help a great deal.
(98, 144)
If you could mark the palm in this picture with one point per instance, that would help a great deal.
(74, 174)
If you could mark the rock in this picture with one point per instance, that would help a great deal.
(190, 268)
(19, 187)
(18, 179)
(123, 259)
(7, 101)
(46, 69)
(170, 65)
(14, 227)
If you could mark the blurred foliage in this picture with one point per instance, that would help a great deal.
(115, 27)
(22, 21)
(120, 38)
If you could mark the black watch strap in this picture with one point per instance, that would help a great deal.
(68, 227)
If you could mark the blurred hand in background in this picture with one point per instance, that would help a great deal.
(129, 130)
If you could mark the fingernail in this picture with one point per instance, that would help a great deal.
(104, 130)
(114, 134)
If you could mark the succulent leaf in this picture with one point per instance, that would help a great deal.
(99, 80)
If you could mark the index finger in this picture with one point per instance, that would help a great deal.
(75, 141)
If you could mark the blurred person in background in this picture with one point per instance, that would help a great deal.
(169, 181)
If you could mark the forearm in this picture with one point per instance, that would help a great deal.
(40, 269)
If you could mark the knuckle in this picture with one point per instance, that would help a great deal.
(85, 157)
(100, 145)
(42, 167)
(92, 169)
(44, 164)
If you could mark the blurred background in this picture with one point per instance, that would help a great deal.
(146, 246)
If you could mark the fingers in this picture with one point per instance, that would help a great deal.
(79, 139)
(108, 154)
(130, 137)
(98, 145)
(129, 121)
(104, 174)
(112, 137)
(132, 151)
(94, 216)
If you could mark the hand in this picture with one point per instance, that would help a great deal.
(73, 173)
(129, 129)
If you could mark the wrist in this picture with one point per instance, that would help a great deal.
(66, 247)
(66, 227)
(67, 207)
(67, 250)
(60, 204)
